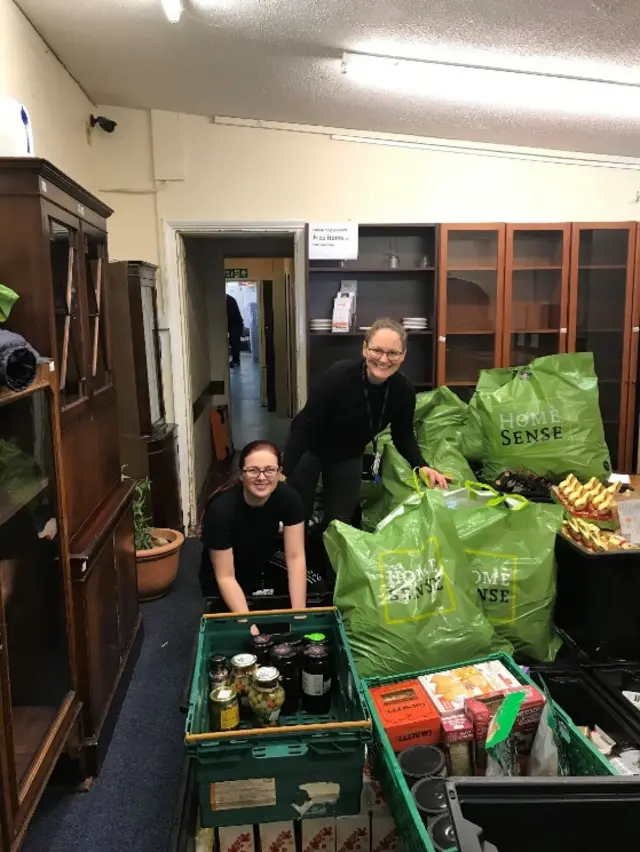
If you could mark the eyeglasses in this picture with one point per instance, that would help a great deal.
(257, 472)
(392, 354)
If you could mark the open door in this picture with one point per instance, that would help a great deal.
(290, 313)
(269, 343)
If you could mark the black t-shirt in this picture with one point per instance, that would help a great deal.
(335, 422)
(251, 532)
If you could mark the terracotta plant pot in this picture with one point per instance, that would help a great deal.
(157, 567)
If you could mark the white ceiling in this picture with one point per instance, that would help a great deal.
(280, 60)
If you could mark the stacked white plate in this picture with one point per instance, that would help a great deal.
(320, 325)
(415, 323)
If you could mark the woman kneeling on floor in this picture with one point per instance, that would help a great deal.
(240, 534)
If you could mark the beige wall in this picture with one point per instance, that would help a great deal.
(58, 108)
(243, 174)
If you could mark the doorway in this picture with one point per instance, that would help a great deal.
(259, 396)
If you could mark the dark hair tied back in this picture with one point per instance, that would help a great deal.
(247, 450)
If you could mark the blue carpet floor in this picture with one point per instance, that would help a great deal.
(130, 806)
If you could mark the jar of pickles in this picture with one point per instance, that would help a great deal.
(266, 697)
(224, 714)
(243, 667)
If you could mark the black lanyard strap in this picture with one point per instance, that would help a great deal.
(367, 401)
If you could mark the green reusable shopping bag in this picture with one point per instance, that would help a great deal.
(510, 544)
(406, 592)
(544, 418)
(8, 298)
(471, 435)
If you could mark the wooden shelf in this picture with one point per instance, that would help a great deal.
(375, 270)
(581, 331)
(361, 333)
(602, 266)
(473, 332)
(536, 331)
(30, 727)
(536, 267)
(475, 268)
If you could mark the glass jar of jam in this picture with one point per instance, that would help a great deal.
(262, 645)
(218, 670)
(243, 667)
(285, 659)
(224, 713)
(266, 697)
(316, 681)
(315, 639)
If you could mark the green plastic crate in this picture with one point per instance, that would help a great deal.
(585, 759)
(263, 777)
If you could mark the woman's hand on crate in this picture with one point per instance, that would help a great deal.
(254, 630)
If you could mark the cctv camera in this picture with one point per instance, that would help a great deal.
(107, 124)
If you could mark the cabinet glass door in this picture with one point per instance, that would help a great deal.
(470, 303)
(536, 292)
(63, 248)
(32, 585)
(152, 349)
(600, 317)
(95, 251)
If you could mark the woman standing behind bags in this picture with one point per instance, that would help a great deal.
(351, 404)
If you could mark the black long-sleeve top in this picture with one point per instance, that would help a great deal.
(335, 423)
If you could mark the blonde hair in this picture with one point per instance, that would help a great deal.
(386, 324)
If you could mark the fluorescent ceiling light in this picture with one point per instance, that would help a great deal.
(625, 163)
(493, 87)
(172, 9)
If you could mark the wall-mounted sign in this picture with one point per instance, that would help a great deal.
(16, 136)
(333, 241)
(236, 274)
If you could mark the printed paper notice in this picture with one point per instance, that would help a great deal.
(250, 793)
(629, 514)
(333, 241)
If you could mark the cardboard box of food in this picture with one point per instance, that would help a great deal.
(236, 838)
(352, 833)
(457, 737)
(449, 689)
(319, 835)
(480, 717)
(277, 837)
(407, 714)
(384, 834)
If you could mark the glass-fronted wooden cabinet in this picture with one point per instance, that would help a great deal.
(470, 303)
(37, 671)
(536, 292)
(600, 320)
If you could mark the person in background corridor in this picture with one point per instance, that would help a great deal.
(235, 324)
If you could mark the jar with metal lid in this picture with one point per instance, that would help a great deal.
(266, 697)
(315, 639)
(316, 681)
(443, 834)
(262, 645)
(224, 713)
(243, 667)
(285, 659)
(218, 670)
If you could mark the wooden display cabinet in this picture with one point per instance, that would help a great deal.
(147, 442)
(470, 303)
(38, 689)
(601, 308)
(536, 292)
(395, 271)
(54, 254)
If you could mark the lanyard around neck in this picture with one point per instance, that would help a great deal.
(367, 401)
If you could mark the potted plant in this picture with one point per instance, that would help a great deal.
(157, 550)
